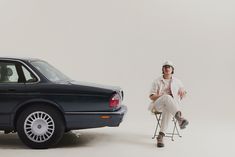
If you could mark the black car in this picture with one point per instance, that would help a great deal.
(41, 103)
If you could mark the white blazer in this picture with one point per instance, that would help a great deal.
(158, 84)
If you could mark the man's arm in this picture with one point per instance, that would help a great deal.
(154, 92)
(182, 92)
(155, 96)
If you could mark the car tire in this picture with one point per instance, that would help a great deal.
(40, 126)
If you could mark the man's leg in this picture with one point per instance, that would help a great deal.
(166, 102)
(165, 120)
(164, 125)
(182, 121)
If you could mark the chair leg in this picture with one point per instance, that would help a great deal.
(171, 135)
(177, 128)
(158, 124)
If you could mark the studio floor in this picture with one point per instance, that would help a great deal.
(133, 138)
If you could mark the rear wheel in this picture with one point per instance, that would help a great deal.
(40, 126)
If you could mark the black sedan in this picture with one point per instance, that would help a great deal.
(41, 103)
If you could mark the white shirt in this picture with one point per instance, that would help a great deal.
(165, 86)
(166, 89)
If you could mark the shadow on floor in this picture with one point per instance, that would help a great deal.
(81, 139)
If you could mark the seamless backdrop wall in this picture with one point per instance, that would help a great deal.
(125, 42)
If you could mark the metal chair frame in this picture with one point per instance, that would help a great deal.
(158, 116)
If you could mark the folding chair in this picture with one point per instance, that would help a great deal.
(158, 116)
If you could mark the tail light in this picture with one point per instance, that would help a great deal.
(115, 101)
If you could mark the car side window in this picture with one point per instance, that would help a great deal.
(29, 76)
(8, 73)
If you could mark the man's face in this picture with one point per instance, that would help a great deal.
(167, 69)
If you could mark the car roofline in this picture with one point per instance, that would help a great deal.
(21, 59)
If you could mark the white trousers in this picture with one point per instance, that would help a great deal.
(168, 106)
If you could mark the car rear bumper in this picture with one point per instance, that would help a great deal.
(85, 120)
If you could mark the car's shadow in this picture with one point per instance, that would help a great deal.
(10, 141)
(80, 139)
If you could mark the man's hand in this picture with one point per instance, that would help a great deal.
(156, 96)
(181, 93)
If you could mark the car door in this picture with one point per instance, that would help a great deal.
(12, 89)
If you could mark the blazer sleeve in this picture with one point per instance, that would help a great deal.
(154, 88)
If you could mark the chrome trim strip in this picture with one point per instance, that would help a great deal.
(120, 111)
(94, 113)
(15, 60)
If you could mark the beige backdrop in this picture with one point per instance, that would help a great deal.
(124, 43)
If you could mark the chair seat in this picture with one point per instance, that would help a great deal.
(155, 111)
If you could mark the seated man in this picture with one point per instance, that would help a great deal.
(166, 93)
(5, 74)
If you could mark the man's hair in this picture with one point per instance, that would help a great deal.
(171, 72)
